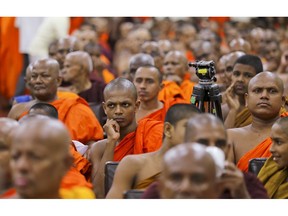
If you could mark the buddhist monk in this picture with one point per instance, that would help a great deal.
(208, 130)
(7, 126)
(139, 171)
(236, 114)
(148, 82)
(124, 135)
(77, 68)
(264, 100)
(274, 172)
(189, 172)
(176, 78)
(36, 156)
(74, 112)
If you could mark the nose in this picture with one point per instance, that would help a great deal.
(142, 85)
(264, 94)
(239, 78)
(185, 186)
(118, 110)
(272, 148)
(39, 79)
(22, 164)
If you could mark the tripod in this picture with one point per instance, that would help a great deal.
(209, 93)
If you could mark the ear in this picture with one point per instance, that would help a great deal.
(137, 105)
(168, 130)
(59, 81)
(104, 107)
(161, 86)
(246, 99)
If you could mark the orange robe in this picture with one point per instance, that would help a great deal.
(79, 118)
(159, 115)
(107, 76)
(76, 114)
(172, 90)
(75, 23)
(262, 150)
(146, 138)
(11, 61)
(75, 176)
(71, 193)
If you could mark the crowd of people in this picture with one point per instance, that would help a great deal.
(92, 90)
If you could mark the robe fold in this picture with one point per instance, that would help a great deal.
(274, 179)
(146, 182)
(262, 150)
(146, 138)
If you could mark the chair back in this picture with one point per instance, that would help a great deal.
(255, 165)
(110, 168)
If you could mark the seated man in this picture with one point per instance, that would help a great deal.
(264, 99)
(209, 130)
(36, 156)
(274, 173)
(139, 171)
(74, 112)
(124, 135)
(7, 126)
(77, 68)
(137, 60)
(189, 172)
(176, 78)
(148, 82)
(234, 110)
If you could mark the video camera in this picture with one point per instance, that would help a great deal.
(205, 70)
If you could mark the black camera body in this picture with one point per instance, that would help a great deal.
(205, 70)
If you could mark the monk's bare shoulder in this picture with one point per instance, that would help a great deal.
(96, 149)
(236, 133)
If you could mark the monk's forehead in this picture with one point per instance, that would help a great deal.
(119, 92)
(265, 80)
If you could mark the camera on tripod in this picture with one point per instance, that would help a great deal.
(206, 95)
(205, 70)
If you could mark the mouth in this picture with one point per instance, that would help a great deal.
(39, 87)
(276, 158)
(21, 182)
(142, 93)
(263, 104)
(239, 87)
(119, 120)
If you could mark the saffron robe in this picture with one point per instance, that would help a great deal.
(146, 138)
(146, 182)
(261, 150)
(274, 179)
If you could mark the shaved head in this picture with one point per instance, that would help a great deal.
(37, 126)
(120, 84)
(201, 122)
(267, 76)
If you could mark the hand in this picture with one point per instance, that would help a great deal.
(175, 78)
(232, 99)
(112, 129)
(233, 180)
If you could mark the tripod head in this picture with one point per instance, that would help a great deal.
(205, 70)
